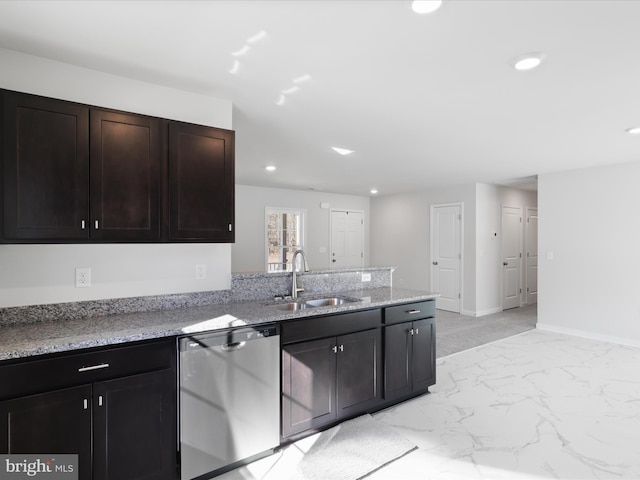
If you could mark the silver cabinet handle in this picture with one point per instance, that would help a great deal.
(411, 331)
(82, 224)
(96, 224)
(334, 349)
(342, 348)
(93, 367)
(417, 331)
(413, 312)
(85, 404)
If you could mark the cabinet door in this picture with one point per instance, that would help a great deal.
(397, 360)
(359, 372)
(57, 422)
(424, 354)
(134, 427)
(125, 177)
(201, 183)
(308, 385)
(46, 169)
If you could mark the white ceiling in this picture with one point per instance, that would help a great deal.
(424, 100)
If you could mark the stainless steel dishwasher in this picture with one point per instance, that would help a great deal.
(229, 399)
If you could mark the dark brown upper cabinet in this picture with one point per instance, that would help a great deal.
(201, 183)
(45, 147)
(125, 176)
(74, 173)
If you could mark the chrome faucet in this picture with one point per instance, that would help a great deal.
(294, 281)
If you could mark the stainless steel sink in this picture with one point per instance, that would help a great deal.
(315, 302)
(327, 302)
(291, 306)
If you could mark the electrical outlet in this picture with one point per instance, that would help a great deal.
(83, 277)
(201, 271)
(366, 277)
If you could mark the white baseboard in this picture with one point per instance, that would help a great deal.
(590, 335)
(481, 313)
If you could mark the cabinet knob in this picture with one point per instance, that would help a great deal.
(435, 263)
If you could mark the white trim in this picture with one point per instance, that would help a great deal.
(431, 208)
(303, 229)
(521, 248)
(586, 334)
(347, 210)
(527, 211)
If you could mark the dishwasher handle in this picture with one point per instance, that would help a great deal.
(232, 347)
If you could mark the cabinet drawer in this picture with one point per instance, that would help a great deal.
(410, 311)
(330, 326)
(67, 370)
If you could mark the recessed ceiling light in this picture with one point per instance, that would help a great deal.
(373, 191)
(633, 131)
(270, 168)
(342, 151)
(426, 6)
(528, 61)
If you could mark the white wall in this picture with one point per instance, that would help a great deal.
(248, 253)
(400, 236)
(400, 233)
(490, 200)
(589, 222)
(40, 274)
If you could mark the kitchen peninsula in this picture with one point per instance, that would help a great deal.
(129, 356)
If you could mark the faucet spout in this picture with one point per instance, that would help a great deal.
(294, 282)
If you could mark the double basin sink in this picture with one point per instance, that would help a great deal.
(301, 304)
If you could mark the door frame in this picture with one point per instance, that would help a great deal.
(521, 249)
(528, 211)
(432, 207)
(348, 210)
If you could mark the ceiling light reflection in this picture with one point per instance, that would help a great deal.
(281, 100)
(257, 37)
(242, 51)
(633, 131)
(426, 6)
(293, 89)
(528, 61)
(302, 78)
(342, 151)
(235, 68)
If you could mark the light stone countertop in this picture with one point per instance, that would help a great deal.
(39, 338)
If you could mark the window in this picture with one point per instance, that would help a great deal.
(285, 235)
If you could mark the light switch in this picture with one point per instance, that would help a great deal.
(549, 255)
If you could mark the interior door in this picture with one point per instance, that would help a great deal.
(446, 255)
(347, 248)
(511, 256)
(532, 255)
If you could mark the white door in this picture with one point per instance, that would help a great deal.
(511, 256)
(346, 239)
(446, 255)
(532, 255)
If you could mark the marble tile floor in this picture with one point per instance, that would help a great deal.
(537, 405)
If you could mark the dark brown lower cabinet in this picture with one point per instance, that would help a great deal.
(128, 421)
(53, 422)
(409, 358)
(329, 379)
(115, 407)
